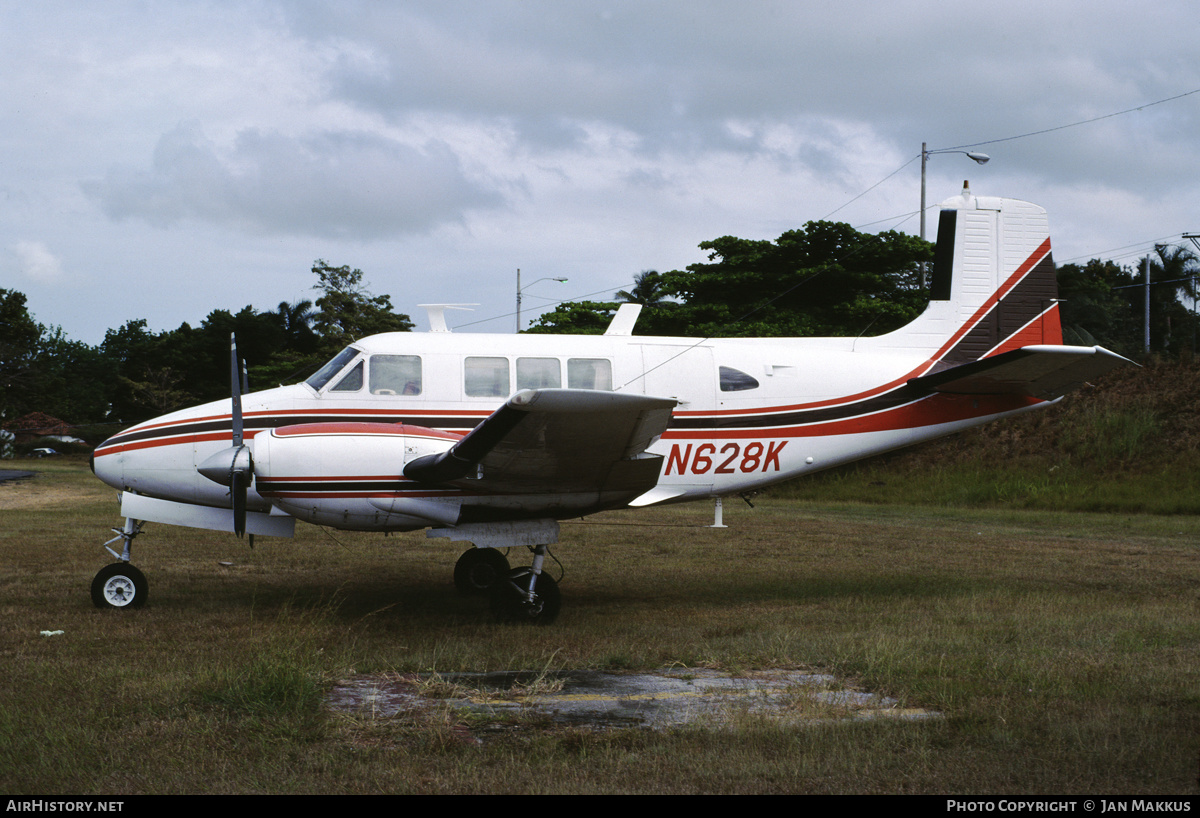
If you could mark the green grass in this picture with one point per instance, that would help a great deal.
(1061, 646)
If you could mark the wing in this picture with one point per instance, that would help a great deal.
(556, 441)
(1046, 372)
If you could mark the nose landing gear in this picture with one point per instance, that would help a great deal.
(119, 585)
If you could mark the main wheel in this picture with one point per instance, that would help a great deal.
(509, 600)
(119, 585)
(478, 569)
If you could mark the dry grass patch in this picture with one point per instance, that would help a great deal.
(1060, 647)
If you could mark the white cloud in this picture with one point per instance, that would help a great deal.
(333, 184)
(36, 262)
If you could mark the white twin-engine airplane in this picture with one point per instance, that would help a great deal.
(491, 439)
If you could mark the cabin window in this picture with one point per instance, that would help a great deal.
(589, 373)
(735, 380)
(352, 381)
(486, 377)
(325, 374)
(395, 375)
(538, 373)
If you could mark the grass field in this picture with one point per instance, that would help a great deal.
(1063, 649)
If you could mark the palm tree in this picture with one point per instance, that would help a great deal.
(297, 321)
(1174, 267)
(647, 290)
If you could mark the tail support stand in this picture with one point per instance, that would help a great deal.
(718, 513)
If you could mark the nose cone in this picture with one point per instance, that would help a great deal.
(108, 461)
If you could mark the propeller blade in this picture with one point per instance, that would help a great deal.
(236, 389)
(237, 491)
(241, 469)
(234, 467)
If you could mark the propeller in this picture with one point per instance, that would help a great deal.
(234, 467)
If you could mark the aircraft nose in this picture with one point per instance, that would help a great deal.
(108, 462)
(108, 468)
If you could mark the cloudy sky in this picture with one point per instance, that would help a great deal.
(161, 160)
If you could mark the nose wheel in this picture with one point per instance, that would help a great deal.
(119, 586)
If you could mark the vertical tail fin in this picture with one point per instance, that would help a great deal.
(993, 287)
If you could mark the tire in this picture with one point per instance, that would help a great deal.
(119, 586)
(478, 569)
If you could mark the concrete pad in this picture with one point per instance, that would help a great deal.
(658, 700)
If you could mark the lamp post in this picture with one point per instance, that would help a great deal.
(519, 288)
(980, 158)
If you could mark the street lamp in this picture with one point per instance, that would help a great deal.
(545, 278)
(980, 158)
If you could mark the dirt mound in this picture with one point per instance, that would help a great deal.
(1134, 418)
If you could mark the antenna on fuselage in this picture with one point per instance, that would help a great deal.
(436, 313)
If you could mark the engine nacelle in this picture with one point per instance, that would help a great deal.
(351, 475)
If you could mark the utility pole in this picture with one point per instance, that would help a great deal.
(1195, 239)
(1146, 269)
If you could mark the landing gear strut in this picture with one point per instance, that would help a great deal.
(527, 595)
(119, 585)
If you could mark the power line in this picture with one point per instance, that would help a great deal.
(872, 187)
(1134, 249)
(1011, 138)
(1076, 124)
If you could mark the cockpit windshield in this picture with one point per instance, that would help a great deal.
(335, 365)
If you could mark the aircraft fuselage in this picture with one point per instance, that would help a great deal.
(750, 412)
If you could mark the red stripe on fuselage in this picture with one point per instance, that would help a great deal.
(931, 410)
(364, 428)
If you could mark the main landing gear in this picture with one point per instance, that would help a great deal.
(526, 594)
(119, 585)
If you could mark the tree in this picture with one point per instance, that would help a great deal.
(296, 320)
(647, 290)
(824, 279)
(576, 318)
(1172, 326)
(20, 336)
(147, 379)
(347, 312)
(73, 380)
(1092, 312)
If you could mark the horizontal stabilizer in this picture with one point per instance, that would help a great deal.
(1045, 372)
(557, 441)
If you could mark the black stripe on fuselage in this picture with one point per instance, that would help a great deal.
(264, 423)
